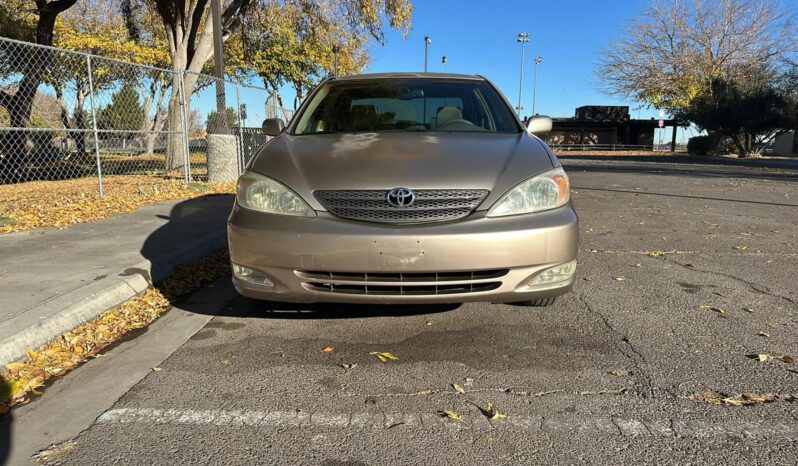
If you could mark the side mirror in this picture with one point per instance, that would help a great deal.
(273, 126)
(539, 125)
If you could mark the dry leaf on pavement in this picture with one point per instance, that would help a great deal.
(384, 356)
(458, 388)
(451, 415)
(493, 414)
(328, 349)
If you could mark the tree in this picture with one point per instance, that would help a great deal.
(300, 41)
(32, 68)
(212, 123)
(124, 113)
(677, 48)
(189, 33)
(746, 116)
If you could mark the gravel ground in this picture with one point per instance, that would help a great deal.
(603, 376)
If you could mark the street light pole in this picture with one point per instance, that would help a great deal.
(523, 38)
(538, 61)
(427, 42)
(444, 60)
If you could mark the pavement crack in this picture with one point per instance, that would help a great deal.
(624, 346)
(761, 289)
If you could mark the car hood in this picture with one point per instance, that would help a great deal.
(495, 162)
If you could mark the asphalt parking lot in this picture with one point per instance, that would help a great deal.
(684, 271)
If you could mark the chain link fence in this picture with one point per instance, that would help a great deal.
(68, 115)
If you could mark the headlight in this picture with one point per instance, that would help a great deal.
(257, 192)
(546, 191)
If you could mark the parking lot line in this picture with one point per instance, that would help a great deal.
(614, 426)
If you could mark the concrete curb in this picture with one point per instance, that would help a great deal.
(62, 314)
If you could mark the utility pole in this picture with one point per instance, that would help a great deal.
(427, 42)
(222, 125)
(538, 61)
(523, 38)
(444, 60)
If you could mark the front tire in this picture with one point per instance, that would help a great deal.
(538, 302)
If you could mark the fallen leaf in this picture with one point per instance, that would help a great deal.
(493, 413)
(719, 310)
(328, 349)
(589, 230)
(741, 248)
(638, 265)
(748, 309)
(620, 279)
(617, 373)
(788, 359)
(763, 334)
(157, 369)
(451, 415)
(458, 388)
(384, 356)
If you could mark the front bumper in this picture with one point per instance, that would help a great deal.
(286, 249)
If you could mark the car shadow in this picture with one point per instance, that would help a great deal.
(6, 421)
(246, 307)
(201, 218)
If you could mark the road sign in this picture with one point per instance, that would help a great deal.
(661, 123)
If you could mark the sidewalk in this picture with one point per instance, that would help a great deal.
(54, 280)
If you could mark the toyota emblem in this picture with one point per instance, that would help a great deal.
(400, 197)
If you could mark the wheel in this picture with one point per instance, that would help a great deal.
(538, 302)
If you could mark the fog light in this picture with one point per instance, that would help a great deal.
(556, 274)
(245, 274)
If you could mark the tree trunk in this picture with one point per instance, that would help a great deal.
(20, 104)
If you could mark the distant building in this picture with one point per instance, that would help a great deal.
(606, 125)
(786, 144)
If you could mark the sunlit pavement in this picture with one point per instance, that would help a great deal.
(683, 272)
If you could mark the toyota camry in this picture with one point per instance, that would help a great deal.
(404, 188)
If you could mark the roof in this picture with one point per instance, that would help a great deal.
(406, 75)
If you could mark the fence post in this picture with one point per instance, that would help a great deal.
(94, 126)
(184, 125)
(240, 131)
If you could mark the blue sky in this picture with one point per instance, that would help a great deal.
(479, 37)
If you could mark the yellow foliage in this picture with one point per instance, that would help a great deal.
(59, 204)
(56, 358)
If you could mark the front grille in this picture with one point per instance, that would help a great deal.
(402, 283)
(433, 205)
(403, 290)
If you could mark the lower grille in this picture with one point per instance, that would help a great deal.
(434, 205)
(403, 290)
(403, 283)
(405, 276)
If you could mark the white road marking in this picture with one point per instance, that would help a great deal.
(576, 424)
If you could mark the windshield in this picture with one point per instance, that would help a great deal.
(406, 105)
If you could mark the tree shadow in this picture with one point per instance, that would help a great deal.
(671, 167)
